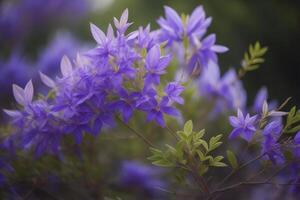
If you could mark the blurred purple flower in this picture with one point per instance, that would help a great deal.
(270, 146)
(206, 50)
(62, 44)
(227, 91)
(19, 19)
(140, 177)
(15, 70)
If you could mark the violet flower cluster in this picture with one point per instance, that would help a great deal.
(266, 129)
(120, 75)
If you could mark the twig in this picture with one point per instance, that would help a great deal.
(240, 168)
(137, 133)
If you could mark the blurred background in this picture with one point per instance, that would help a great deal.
(35, 34)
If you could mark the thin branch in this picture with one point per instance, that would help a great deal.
(240, 168)
(148, 142)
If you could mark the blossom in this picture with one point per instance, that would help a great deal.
(270, 144)
(158, 109)
(201, 50)
(296, 143)
(243, 126)
(197, 23)
(174, 29)
(260, 98)
(171, 27)
(112, 78)
(206, 50)
(155, 65)
(227, 91)
(173, 91)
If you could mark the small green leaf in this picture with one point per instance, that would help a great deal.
(214, 142)
(163, 163)
(188, 127)
(232, 159)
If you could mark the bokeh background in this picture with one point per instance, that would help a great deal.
(35, 34)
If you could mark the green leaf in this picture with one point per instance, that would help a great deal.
(219, 164)
(201, 156)
(203, 143)
(216, 162)
(188, 127)
(253, 58)
(163, 163)
(232, 159)
(214, 142)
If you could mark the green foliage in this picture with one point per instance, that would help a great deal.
(232, 159)
(190, 152)
(253, 58)
(293, 121)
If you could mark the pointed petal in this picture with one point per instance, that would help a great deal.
(18, 94)
(219, 48)
(153, 56)
(110, 32)
(234, 121)
(98, 34)
(66, 66)
(12, 113)
(124, 17)
(28, 92)
(235, 133)
(47, 80)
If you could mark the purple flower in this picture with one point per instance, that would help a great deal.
(155, 65)
(36, 125)
(270, 146)
(260, 98)
(126, 104)
(109, 79)
(197, 23)
(140, 177)
(145, 38)
(227, 91)
(296, 143)
(158, 109)
(206, 50)
(171, 27)
(122, 24)
(243, 126)
(173, 91)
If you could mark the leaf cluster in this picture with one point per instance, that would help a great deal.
(293, 121)
(191, 151)
(253, 58)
